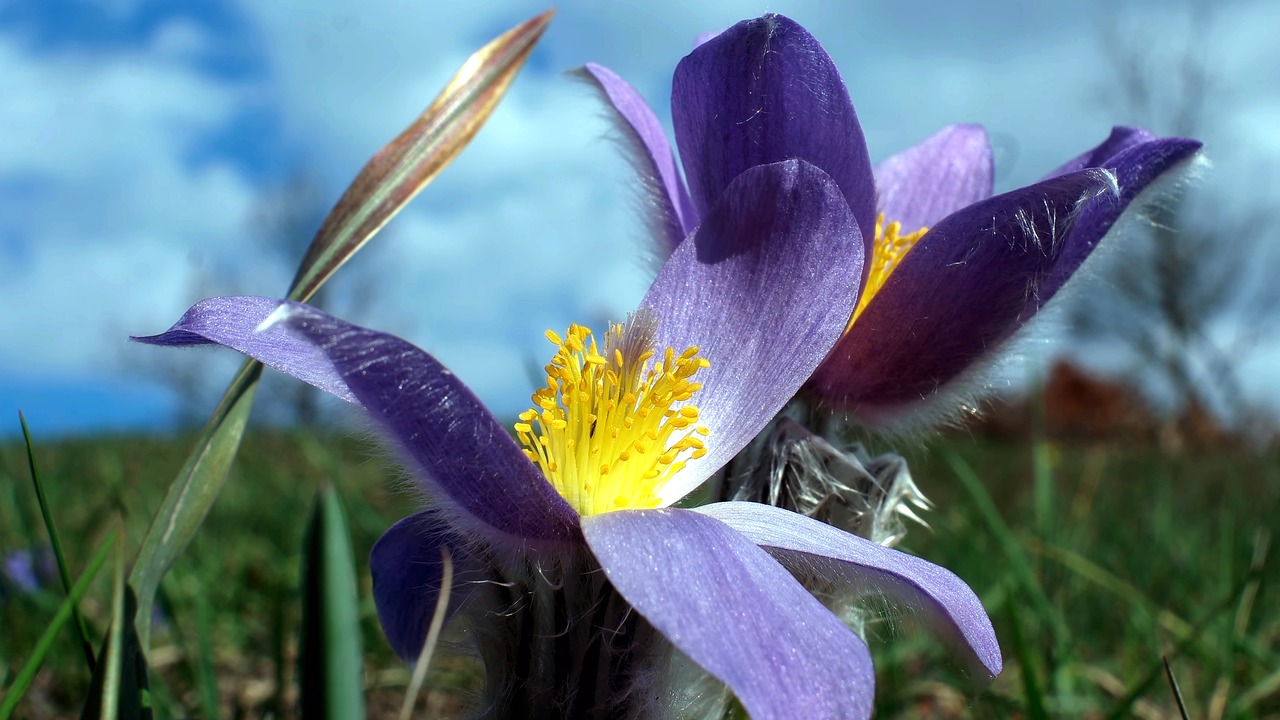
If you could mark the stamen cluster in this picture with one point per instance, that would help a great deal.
(888, 251)
(610, 429)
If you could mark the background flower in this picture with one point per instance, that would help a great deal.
(933, 306)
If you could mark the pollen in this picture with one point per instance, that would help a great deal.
(889, 249)
(613, 425)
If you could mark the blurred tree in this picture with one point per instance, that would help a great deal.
(1189, 298)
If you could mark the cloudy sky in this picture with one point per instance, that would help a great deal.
(141, 142)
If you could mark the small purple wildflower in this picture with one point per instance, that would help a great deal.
(30, 570)
(624, 429)
(951, 271)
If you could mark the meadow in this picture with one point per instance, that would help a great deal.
(1097, 563)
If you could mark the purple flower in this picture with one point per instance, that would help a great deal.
(737, 319)
(952, 272)
(30, 570)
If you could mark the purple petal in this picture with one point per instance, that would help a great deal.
(760, 92)
(234, 322)
(1120, 139)
(764, 289)
(955, 296)
(461, 454)
(805, 545)
(407, 573)
(651, 155)
(736, 612)
(925, 183)
(1136, 167)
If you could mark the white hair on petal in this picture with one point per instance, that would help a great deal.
(949, 404)
(649, 199)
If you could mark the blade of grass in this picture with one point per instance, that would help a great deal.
(1018, 560)
(1041, 463)
(64, 572)
(1093, 573)
(1267, 689)
(120, 688)
(22, 681)
(331, 662)
(1030, 684)
(1177, 691)
(110, 704)
(1126, 704)
(397, 173)
(433, 637)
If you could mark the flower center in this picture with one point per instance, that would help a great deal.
(889, 249)
(606, 430)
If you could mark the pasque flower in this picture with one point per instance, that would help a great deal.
(739, 316)
(951, 271)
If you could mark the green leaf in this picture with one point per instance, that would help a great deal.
(112, 674)
(192, 494)
(330, 659)
(120, 688)
(1026, 663)
(64, 571)
(1020, 563)
(394, 175)
(402, 168)
(28, 672)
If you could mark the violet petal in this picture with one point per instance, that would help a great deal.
(764, 288)
(1120, 139)
(461, 454)
(1136, 167)
(234, 322)
(947, 171)
(954, 297)
(858, 565)
(408, 570)
(736, 612)
(760, 92)
(464, 456)
(650, 152)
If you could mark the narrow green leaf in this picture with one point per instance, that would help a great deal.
(1042, 465)
(64, 572)
(402, 168)
(1177, 691)
(1019, 563)
(1124, 707)
(1168, 620)
(120, 687)
(1267, 689)
(192, 493)
(22, 681)
(110, 704)
(394, 175)
(330, 659)
(1026, 662)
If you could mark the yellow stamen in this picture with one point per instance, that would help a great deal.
(606, 430)
(889, 249)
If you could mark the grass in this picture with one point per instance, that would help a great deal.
(1095, 563)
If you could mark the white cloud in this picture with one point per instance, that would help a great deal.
(532, 227)
(113, 209)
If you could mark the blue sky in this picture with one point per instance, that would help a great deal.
(140, 136)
